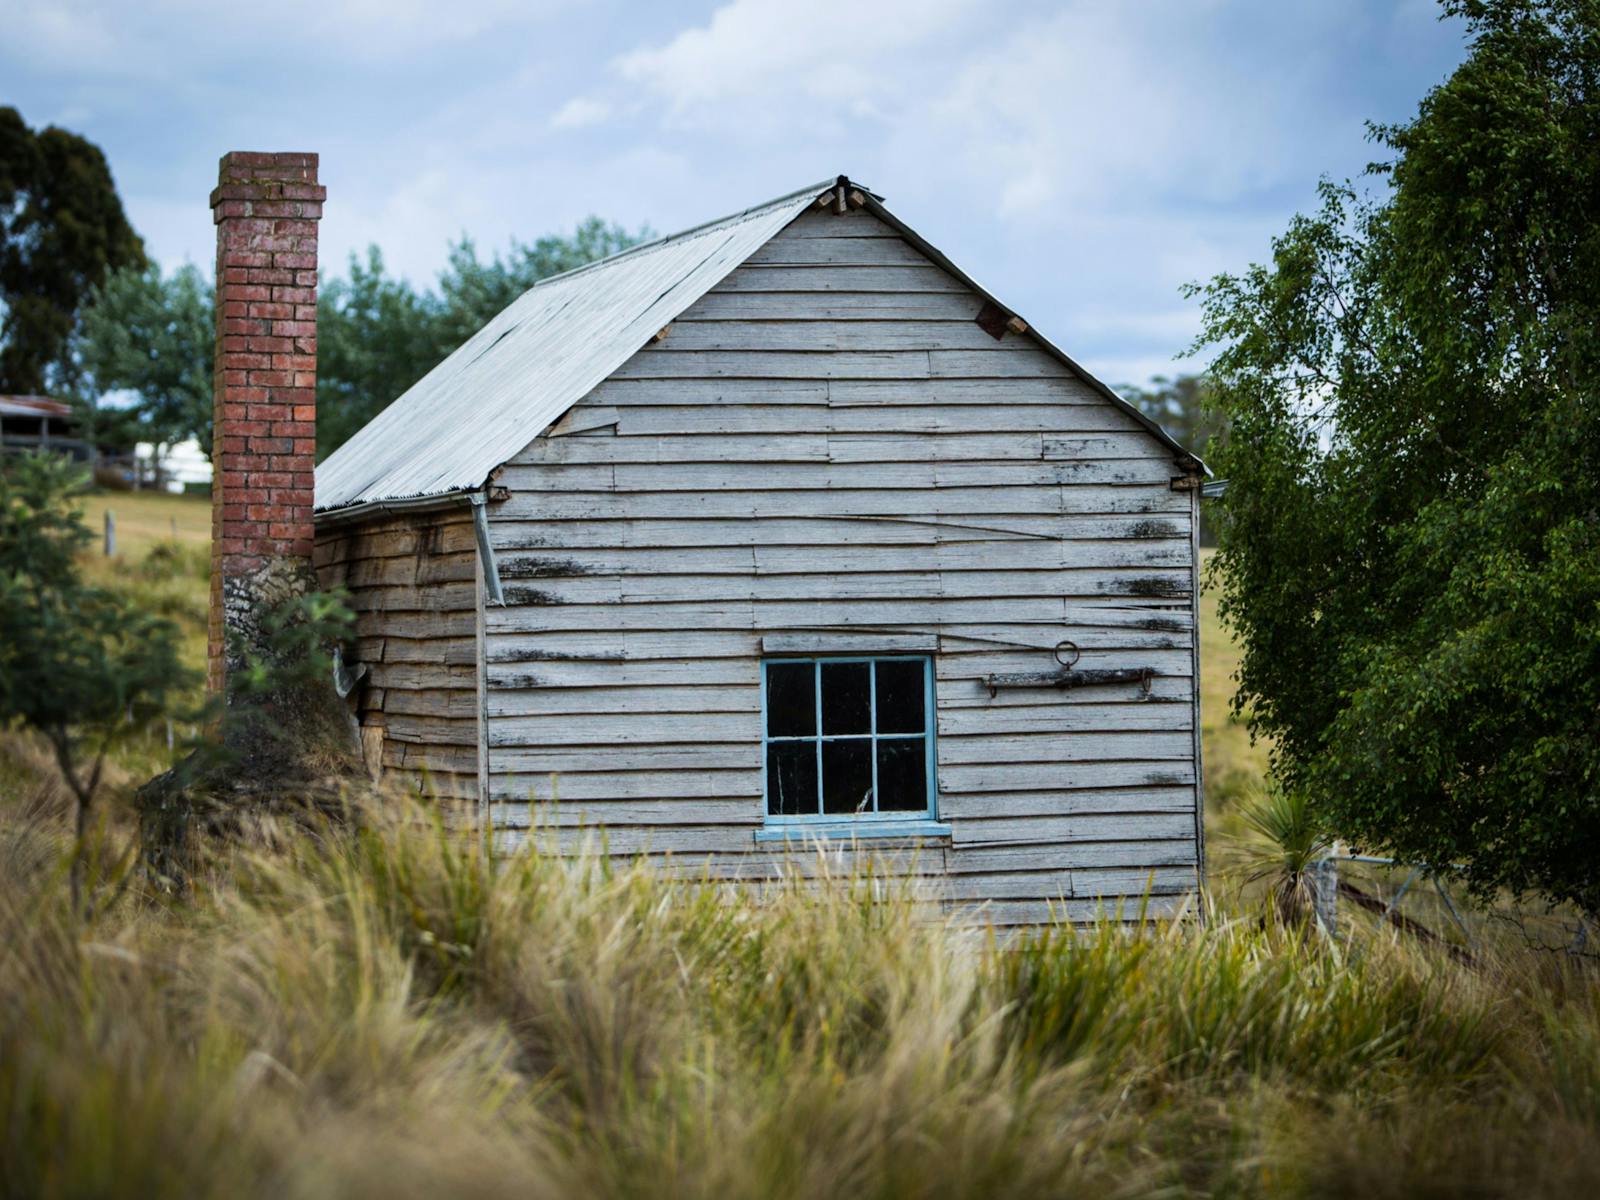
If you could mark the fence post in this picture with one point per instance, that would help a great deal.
(111, 534)
(1325, 894)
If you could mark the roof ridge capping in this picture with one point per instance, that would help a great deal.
(451, 430)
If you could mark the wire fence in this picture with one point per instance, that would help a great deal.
(1430, 903)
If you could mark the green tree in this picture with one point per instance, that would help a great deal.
(62, 230)
(82, 666)
(152, 334)
(473, 290)
(1410, 541)
(1182, 406)
(375, 338)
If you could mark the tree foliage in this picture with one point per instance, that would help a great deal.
(152, 334)
(377, 335)
(62, 230)
(1182, 406)
(1410, 541)
(81, 665)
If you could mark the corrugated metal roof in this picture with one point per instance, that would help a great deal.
(544, 353)
(560, 340)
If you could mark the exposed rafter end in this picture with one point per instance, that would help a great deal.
(1186, 483)
(1017, 325)
(661, 333)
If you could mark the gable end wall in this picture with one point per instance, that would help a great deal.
(828, 442)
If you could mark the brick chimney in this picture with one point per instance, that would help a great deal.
(266, 208)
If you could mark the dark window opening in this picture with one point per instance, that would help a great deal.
(848, 738)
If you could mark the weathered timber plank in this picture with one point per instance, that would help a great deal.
(1105, 715)
(769, 615)
(834, 306)
(1135, 855)
(1063, 790)
(637, 797)
(870, 251)
(627, 841)
(1066, 884)
(430, 673)
(735, 364)
(431, 730)
(815, 335)
(995, 413)
(620, 645)
(1092, 828)
(968, 661)
(1148, 746)
(413, 570)
(744, 671)
(706, 698)
(715, 449)
(823, 502)
(1130, 583)
(793, 278)
(664, 757)
(654, 477)
(456, 703)
(541, 732)
(769, 531)
(986, 364)
(1020, 913)
(956, 693)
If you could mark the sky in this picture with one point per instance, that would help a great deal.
(1083, 160)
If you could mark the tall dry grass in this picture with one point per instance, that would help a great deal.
(394, 1013)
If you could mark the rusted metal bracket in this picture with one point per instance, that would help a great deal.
(1070, 678)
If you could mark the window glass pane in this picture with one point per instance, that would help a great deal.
(792, 779)
(846, 697)
(847, 776)
(900, 692)
(791, 700)
(902, 775)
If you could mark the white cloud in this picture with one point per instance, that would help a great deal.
(830, 50)
(579, 113)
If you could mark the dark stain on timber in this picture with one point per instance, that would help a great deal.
(1164, 625)
(1155, 585)
(1166, 779)
(542, 568)
(1154, 529)
(530, 595)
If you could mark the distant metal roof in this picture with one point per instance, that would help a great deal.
(556, 343)
(33, 406)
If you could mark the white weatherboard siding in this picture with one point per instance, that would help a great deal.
(824, 443)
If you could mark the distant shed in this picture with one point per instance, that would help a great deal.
(784, 529)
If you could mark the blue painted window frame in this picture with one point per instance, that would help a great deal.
(902, 823)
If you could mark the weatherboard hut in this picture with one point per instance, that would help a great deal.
(778, 530)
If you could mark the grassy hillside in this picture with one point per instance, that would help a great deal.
(392, 1014)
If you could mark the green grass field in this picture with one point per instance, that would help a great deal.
(392, 1013)
(144, 518)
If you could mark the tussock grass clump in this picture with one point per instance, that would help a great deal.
(390, 1010)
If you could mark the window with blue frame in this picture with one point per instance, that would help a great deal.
(848, 738)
